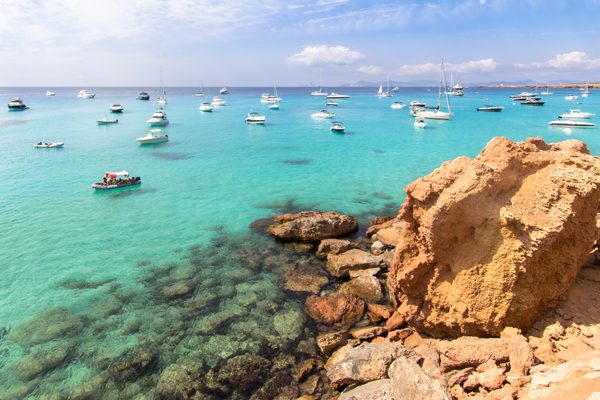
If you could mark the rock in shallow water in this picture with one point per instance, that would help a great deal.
(340, 265)
(134, 366)
(342, 308)
(497, 240)
(244, 372)
(304, 279)
(180, 381)
(46, 326)
(41, 361)
(312, 226)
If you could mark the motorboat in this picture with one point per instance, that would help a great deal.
(116, 180)
(397, 105)
(420, 123)
(431, 114)
(274, 106)
(337, 127)
(269, 99)
(396, 89)
(162, 100)
(533, 101)
(578, 114)
(86, 94)
(116, 108)
(106, 121)
(16, 104)
(50, 93)
(159, 118)
(331, 103)
(217, 101)
(489, 108)
(255, 118)
(570, 123)
(319, 92)
(199, 94)
(323, 114)
(224, 91)
(48, 145)
(417, 103)
(334, 95)
(206, 107)
(143, 96)
(456, 93)
(153, 136)
(571, 97)
(522, 96)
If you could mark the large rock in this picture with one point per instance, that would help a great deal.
(244, 372)
(497, 240)
(304, 279)
(334, 246)
(135, 365)
(341, 264)
(339, 308)
(312, 226)
(366, 287)
(410, 382)
(179, 381)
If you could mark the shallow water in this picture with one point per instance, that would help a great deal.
(171, 265)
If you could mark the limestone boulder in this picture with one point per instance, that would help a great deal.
(411, 382)
(334, 246)
(497, 240)
(312, 226)
(366, 287)
(327, 342)
(340, 265)
(339, 308)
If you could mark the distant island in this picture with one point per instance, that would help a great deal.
(554, 85)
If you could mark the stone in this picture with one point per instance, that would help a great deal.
(364, 363)
(410, 382)
(304, 368)
(458, 376)
(41, 361)
(389, 235)
(46, 326)
(378, 312)
(334, 246)
(304, 279)
(312, 226)
(396, 321)
(367, 287)
(327, 342)
(367, 332)
(495, 241)
(177, 290)
(340, 264)
(377, 247)
(380, 389)
(399, 335)
(134, 366)
(378, 223)
(339, 308)
(179, 381)
(289, 323)
(244, 372)
(363, 272)
(492, 378)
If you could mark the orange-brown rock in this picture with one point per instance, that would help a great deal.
(497, 240)
(378, 312)
(339, 308)
(335, 246)
(311, 226)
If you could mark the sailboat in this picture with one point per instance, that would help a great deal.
(547, 92)
(437, 113)
(319, 92)
(162, 100)
(387, 93)
(270, 98)
(585, 92)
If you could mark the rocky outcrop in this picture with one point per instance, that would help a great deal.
(497, 240)
(339, 308)
(312, 226)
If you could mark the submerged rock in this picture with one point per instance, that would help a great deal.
(243, 373)
(342, 308)
(312, 226)
(180, 381)
(41, 361)
(497, 240)
(334, 246)
(132, 367)
(341, 264)
(46, 326)
(304, 279)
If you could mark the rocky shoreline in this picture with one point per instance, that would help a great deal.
(484, 286)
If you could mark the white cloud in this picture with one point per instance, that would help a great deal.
(322, 55)
(483, 65)
(370, 69)
(570, 60)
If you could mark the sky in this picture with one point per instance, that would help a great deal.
(295, 43)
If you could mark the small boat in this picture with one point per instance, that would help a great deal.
(569, 123)
(106, 121)
(489, 108)
(50, 93)
(381, 93)
(396, 89)
(331, 104)
(116, 180)
(420, 123)
(397, 105)
(224, 91)
(571, 97)
(153, 136)
(417, 103)
(337, 127)
(159, 118)
(143, 96)
(532, 101)
(319, 92)
(274, 106)
(431, 114)
(269, 99)
(206, 107)
(255, 118)
(16, 104)
(162, 100)
(573, 113)
(522, 96)
(585, 92)
(116, 108)
(198, 94)
(217, 101)
(323, 114)
(86, 94)
(334, 95)
(50, 145)
(547, 92)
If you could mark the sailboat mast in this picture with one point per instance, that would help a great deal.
(443, 73)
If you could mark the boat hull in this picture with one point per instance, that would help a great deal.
(101, 186)
(157, 123)
(116, 121)
(153, 141)
(49, 146)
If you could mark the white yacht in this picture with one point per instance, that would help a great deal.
(16, 104)
(547, 91)
(420, 123)
(153, 136)
(331, 103)
(159, 118)
(585, 92)
(571, 97)
(162, 100)
(319, 92)
(86, 94)
(334, 95)
(436, 113)
(381, 93)
(578, 114)
(206, 107)
(417, 103)
(570, 123)
(106, 121)
(396, 89)
(274, 106)
(397, 105)
(224, 91)
(50, 93)
(217, 102)
(116, 108)
(522, 96)
(48, 145)
(337, 126)
(323, 114)
(255, 118)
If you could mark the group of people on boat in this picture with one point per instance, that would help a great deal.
(108, 180)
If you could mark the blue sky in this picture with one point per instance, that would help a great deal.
(262, 42)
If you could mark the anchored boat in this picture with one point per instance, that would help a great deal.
(116, 180)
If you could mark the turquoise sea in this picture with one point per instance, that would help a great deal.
(87, 279)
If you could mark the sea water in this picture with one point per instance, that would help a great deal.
(86, 277)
